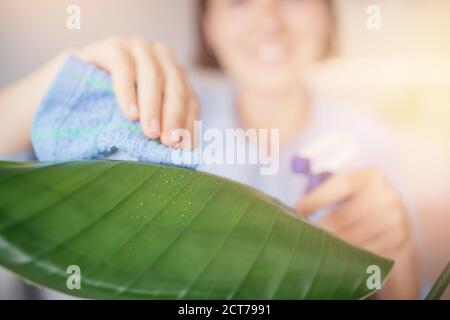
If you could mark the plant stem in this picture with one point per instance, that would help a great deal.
(440, 285)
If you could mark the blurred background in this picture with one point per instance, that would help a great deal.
(401, 72)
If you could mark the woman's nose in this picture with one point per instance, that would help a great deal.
(269, 16)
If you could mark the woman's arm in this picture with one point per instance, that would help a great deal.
(149, 85)
(18, 103)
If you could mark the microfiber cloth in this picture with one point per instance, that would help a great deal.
(79, 118)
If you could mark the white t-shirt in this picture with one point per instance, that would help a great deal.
(375, 144)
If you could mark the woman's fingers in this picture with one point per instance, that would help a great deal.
(376, 231)
(341, 187)
(123, 76)
(150, 87)
(335, 189)
(371, 216)
(192, 116)
(117, 60)
(176, 96)
(186, 135)
(376, 198)
(354, 211)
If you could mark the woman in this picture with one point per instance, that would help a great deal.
(267, 48)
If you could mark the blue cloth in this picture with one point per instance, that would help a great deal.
(79, 118)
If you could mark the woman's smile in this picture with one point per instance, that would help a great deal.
(271, 53)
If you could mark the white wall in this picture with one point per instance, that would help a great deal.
(33, 31)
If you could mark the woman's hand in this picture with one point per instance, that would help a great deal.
(149, 84)
(369, 212)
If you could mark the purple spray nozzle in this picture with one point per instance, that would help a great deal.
(322, 157)
(302, 165)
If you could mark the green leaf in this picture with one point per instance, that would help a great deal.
(440, 285)
(155, 232)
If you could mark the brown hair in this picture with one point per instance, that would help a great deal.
(206, 58)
